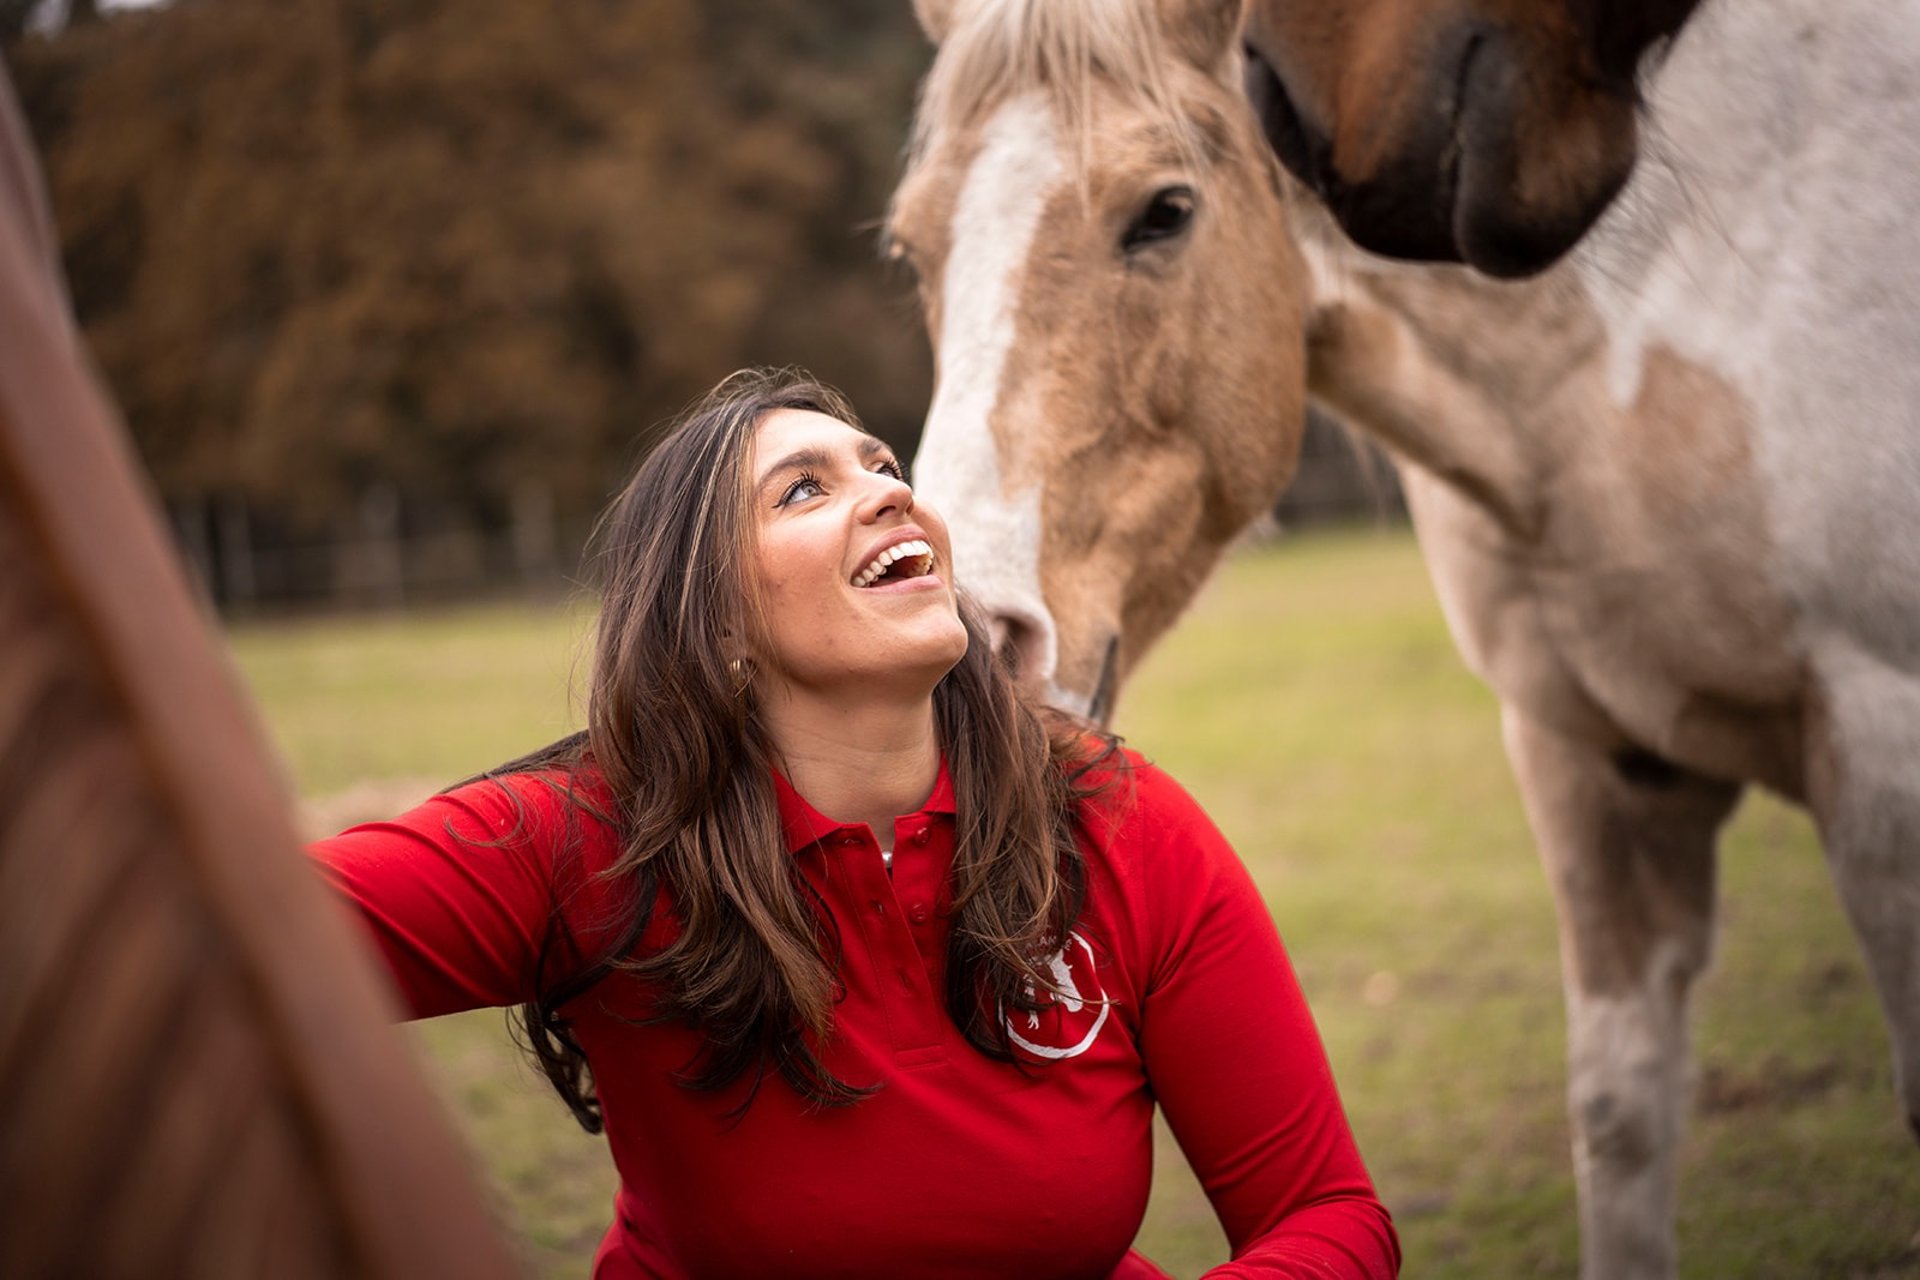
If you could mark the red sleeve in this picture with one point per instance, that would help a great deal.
(1236, 1063)
(460, 895)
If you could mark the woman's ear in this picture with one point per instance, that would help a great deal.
(739, 659)
(741, 670)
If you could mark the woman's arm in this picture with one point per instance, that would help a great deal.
(458, 894)
(1237, 1065)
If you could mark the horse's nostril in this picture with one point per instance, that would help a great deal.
(997, 628)
(1017, 643)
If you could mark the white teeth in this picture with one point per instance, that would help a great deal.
(899, 551)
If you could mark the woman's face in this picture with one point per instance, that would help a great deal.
(855, 578)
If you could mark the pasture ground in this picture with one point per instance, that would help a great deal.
(1314, 704)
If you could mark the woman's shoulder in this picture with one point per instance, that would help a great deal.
(1145, 827)
(539, 792)
(522, 809)
(539, 811)
(1161, 870)
(1125, 790)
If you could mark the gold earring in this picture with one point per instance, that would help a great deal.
(742, 672)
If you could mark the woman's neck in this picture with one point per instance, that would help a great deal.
(865, 763)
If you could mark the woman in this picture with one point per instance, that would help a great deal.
(879, 971)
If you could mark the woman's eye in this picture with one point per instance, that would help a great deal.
(800, 490)
(1166, 216)
(893, 468)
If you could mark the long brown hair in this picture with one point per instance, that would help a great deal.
(671, 731)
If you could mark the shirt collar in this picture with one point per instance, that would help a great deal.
(804, 825)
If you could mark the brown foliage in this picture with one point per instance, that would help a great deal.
(459, 246)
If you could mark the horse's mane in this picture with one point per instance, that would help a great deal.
(1000, 49)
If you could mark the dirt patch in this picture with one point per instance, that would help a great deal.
(1904, 1265)
(1823, 982)
(1776, 1083)
(1421, 1204)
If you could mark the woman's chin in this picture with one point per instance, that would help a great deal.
(907, 667)
(928, 644)
(919, 669)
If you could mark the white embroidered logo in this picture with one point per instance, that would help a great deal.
(1076, 983)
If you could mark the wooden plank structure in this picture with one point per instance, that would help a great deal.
(198, 1075)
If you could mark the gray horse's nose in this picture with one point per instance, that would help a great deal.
(1023, 641)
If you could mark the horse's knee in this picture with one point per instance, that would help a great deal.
(1628, 1064)
(1620, 1132)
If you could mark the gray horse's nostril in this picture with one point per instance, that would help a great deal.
(1018, 643)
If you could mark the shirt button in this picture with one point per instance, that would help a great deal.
(879, 907)
(920, 836)
(920, 914)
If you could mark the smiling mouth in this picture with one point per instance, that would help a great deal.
(898, 563)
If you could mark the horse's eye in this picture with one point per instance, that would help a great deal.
(897, 252)
(1165, 216)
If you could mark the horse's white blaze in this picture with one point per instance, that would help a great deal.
(996, 532)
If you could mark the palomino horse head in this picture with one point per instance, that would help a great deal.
(1116, 310)
(1491, 132)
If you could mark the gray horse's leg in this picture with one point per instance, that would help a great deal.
(1863, 776)
(1628, 842)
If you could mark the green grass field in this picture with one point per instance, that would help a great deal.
(1312, 701)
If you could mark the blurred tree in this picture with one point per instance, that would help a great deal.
(459, 247)
(16, 16)
(845, 74)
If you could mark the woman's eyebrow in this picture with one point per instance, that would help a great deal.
(813, 458)
(808, 459)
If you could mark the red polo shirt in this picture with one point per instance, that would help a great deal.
(1176, 990)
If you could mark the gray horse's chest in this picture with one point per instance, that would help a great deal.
(1617, 632)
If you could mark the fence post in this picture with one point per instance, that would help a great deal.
(369, 562)
(190, 526)
(235, 534)
(536, 542)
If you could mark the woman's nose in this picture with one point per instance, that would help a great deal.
(885, 494)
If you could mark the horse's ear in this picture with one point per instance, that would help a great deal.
(936, 17)
(1206, 31)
